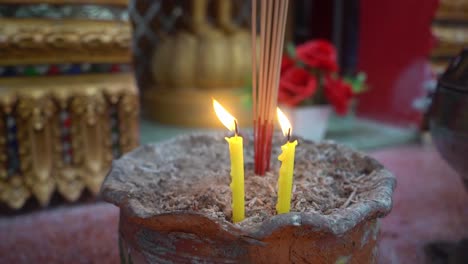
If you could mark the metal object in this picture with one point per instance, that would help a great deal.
(449, 115)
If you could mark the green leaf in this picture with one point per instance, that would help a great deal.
(291, 50)
(362, 77)
(300, 64)
(358, 83)
(246, 101)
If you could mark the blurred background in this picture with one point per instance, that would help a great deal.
(83, 82)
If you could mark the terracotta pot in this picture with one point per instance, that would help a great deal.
(309, 122)
(149, 235)
(289, 238)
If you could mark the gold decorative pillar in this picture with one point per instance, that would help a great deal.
(68, 176)
(13, 189)
(126, 103)
(36, 126)
(68, 100)
(64, 136)
(90, 136)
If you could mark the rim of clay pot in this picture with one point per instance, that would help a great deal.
(377, 204)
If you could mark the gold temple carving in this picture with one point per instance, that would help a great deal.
(42, 41)
(188, 52)
(64, 140)
(58, 2)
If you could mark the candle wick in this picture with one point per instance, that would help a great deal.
(289, 134)
(236, 128)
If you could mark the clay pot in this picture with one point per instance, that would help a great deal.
(147, 234)
(289, 238)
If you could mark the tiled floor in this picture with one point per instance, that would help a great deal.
(430, 204)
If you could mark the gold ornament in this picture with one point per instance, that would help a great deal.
(92, 147)
(42, 41)
(36, 103)
(36, 136)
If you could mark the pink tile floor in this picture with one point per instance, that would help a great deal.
(430, 204)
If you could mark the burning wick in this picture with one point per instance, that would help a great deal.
(236, 152)
(236, 128)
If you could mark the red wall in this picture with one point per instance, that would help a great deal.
(394, 43)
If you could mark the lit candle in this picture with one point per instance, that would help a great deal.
(285, 180)
(237, 162)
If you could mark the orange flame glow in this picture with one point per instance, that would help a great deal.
(224, 116)
(284, 122)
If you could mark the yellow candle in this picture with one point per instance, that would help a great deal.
(237, 178)
(285, 180)
(236, 151)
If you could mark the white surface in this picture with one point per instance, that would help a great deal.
(309, 122)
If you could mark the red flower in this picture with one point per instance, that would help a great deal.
(286, 63)
(296, 85)
(319, 54)
(338, 93)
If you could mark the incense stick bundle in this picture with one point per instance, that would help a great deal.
(265, 74)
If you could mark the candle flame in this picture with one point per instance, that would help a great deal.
(284, 122)
(224, 116)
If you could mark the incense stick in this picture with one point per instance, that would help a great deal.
(261, 95)
(254, 56)
(272, 88)
(265, 77)
(284, 16)
(266, 89)
(254, 68)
